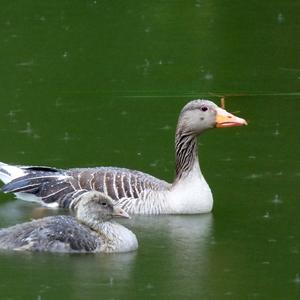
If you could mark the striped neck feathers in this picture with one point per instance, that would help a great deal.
(186, 151)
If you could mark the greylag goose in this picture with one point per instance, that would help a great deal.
(92, 230)
(134, 191)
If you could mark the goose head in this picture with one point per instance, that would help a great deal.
(97, 207)
(200, 115)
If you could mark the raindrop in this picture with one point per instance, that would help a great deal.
(25, 63)
(166, 127)
(227, 159)
(297, 279)
(65, 54)
(146, 66)
(208, 76)
(154, 164)
(280, 18)
(255, 294)
(36, 136)
(276, 199)
(252, 157)
(66, 137)
(11, 113)
(111, 281)
(198, 3)
(57, 102)
(149, 286)
(28, 130)
(254, 176)
(295, 251)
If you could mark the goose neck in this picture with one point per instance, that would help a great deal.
(186, 152)
(114, 237)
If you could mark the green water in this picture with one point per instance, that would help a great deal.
(93, 83)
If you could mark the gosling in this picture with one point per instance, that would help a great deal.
(91, 230)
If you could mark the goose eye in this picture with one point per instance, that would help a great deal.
(104, 204)
(204, 108)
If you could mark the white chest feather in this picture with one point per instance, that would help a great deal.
(117, 238)
(191, 194)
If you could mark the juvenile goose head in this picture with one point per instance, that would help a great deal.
(96, 207)
(97, 210)
(200, 115)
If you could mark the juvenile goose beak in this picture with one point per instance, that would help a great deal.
(118, 212)
(226, 119)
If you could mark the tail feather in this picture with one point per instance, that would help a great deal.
(34, 183)
(27, 183)
(12, 187)
(9, 172)
(45, 185)
(47, 188)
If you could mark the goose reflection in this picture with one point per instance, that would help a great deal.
(166, 243)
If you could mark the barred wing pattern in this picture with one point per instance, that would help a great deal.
(129, 188)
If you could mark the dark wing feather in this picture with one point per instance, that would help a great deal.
(41, 168)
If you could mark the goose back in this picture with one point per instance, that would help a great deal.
(62, 187)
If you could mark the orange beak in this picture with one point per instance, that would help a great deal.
(226, 119)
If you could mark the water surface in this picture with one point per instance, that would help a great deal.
(94, 83)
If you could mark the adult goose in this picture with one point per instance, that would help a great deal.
(91, 230)
(134, 191)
